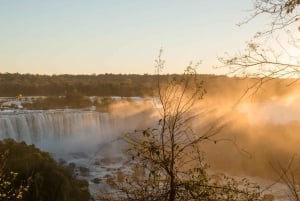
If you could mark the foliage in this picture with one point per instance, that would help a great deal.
(58, 87)
(70, 100)
(48, 180)
(167, 163)
(271, 53)
(90, 85)
(61, 85)
(10, 190)
(283, 13)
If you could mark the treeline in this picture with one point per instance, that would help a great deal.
(125, 85)
(90, 85)
(73, 100)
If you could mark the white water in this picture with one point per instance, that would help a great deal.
(88, 139)
(81, 137)
(58, 131)
(74, 136)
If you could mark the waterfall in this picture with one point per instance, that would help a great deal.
(88, 139)
(58, 130)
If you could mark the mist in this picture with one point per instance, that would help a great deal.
(259, 132)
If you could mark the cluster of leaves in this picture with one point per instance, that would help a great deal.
(10, 189)
(282, 13)
(48, 181)
(290, 5)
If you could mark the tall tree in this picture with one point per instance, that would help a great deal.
(167, 162)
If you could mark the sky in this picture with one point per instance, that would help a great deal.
(120, 36)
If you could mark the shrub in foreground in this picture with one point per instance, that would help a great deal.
(47, 179)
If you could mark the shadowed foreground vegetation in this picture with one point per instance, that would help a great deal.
(43, 177)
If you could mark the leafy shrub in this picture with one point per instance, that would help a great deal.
(48, 180)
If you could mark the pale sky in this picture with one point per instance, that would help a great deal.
(119, 36)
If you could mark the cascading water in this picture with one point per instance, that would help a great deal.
(58, 131)
(88, 139)
(72, 136)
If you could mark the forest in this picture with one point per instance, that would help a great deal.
(125, 85)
